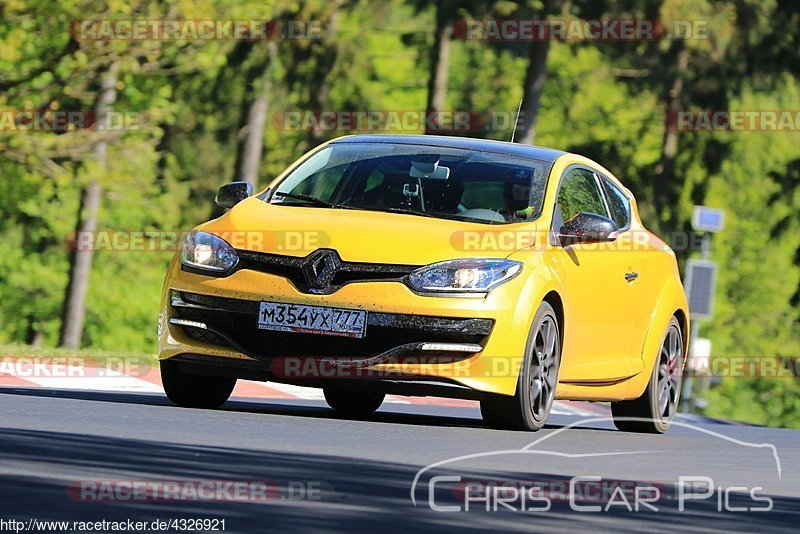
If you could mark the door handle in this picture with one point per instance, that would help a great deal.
(630, 277)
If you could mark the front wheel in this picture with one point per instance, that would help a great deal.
(353, 403)
(194, 391)
(530, 406)
(653, 412)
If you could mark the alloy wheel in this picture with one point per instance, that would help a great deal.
(544, 368)
(669, 374)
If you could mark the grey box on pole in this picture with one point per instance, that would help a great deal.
(701, 281)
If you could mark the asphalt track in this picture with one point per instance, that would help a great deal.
(330, 473)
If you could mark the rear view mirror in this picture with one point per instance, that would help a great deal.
(440, 173)
(231, 194)
(586, 228)
(428, 168)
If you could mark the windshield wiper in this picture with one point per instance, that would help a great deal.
(402, 210)
(321, 203)
(307, 198)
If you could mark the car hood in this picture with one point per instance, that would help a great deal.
(363, 236)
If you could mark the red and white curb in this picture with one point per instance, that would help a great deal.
(46, 376)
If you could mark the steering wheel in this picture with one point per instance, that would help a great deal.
(482, 214)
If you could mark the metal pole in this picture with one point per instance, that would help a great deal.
(688, 398)
(705, 246)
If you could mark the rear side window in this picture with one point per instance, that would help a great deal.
(579, 194)
(618, 204)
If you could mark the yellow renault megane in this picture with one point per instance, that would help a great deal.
(427, 265)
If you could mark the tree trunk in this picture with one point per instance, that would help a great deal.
(253, 144)
(535, 77)
(664, 186)
(250, 158)
(74, 310)
(439, 60)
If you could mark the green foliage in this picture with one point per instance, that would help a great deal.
(756, 311)
(763, 401)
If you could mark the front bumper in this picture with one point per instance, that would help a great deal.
(232, 323)
(397, 318)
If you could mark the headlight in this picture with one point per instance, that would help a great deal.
(464, 276)
(202, 250)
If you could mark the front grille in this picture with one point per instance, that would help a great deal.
(237, 321)
(296, 270)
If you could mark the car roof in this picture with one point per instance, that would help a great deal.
(548, 155)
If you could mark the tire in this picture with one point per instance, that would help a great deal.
(194, 391)
(353, 403)
(653, 412)
(533, 400)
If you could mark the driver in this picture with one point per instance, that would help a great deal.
(517, 194)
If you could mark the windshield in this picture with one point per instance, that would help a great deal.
(428, 181)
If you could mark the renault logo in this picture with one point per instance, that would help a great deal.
(319, 269)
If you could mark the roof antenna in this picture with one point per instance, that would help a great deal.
(516, 120)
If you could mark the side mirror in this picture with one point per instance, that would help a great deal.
(586, 228)
(231, 194)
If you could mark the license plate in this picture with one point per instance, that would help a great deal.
(312, 319)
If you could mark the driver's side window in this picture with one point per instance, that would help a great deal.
(579, 193)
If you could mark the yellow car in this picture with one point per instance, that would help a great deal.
(430, 265)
